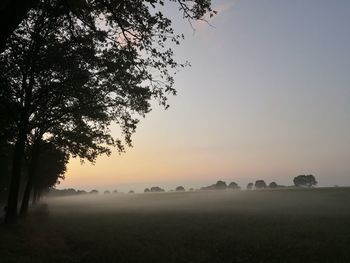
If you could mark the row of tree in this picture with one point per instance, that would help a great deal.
(299, 181)
(221, 185)
(68, 70)
(52, 166)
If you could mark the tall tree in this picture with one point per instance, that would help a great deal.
(73, 69)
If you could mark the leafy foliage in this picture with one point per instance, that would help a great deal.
(52, 167)
(259, 184)
(305, 181)
(250, 186)
(233, 186)
(156, 189)
(180, 189)
(273, 185)
(74, 67)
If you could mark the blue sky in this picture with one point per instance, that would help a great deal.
(267, 97)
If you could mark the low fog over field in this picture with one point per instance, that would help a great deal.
(305, 201)
(300, 225)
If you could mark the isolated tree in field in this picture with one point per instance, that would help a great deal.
(76, 67)
(260, 184)
(273, 185)
(180, 189)
(250, 186)
(305, 181)
(115, 191)
(220, 185)
(156, 189)
(94, 192)
(107, 192)
(147, 190)
(234, 186)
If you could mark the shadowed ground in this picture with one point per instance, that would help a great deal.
(257, 226)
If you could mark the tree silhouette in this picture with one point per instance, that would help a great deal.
(12, 12)
(73, 68)
(156, 189)
(180, 189)
(273, 185)
(40, 90)
(233, 186)
(52, 167)
(250, 186)
(126, 15)
(260, 184)
(305, 181)
(219, 185)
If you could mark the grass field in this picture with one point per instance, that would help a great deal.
(244, 226)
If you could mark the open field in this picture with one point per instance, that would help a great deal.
(256, 226)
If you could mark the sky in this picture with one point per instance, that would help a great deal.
(267, 97)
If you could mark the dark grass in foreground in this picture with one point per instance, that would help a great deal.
(258, 226)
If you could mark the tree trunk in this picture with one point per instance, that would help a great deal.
(31, 174)
(12, 203)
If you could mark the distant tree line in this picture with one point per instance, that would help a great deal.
(154, 189)
(221, 185)
(305, 181)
